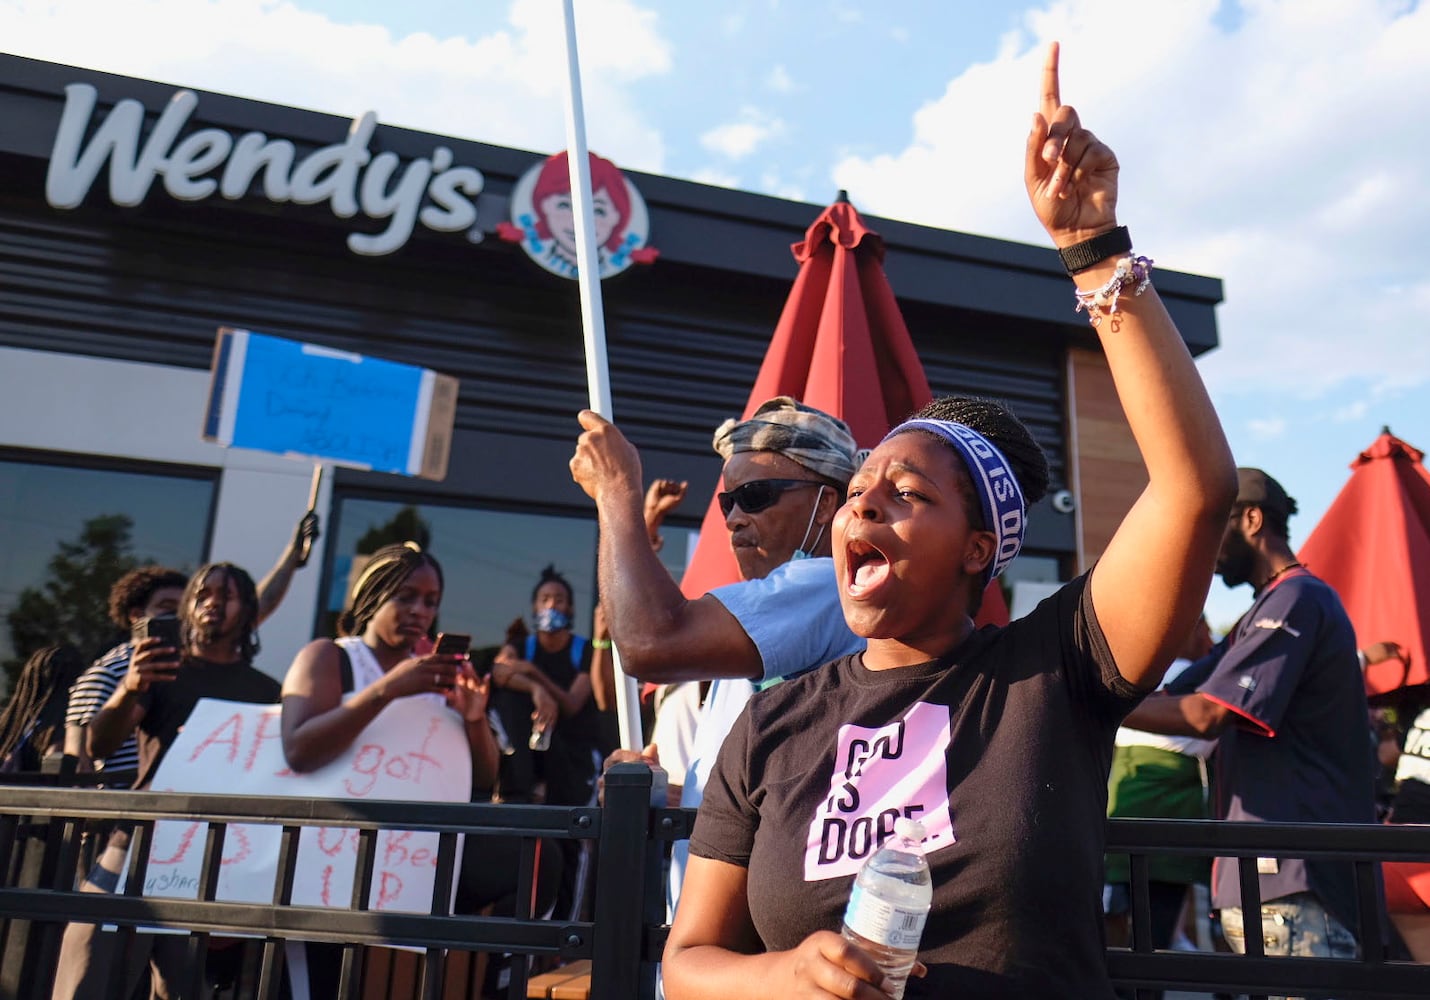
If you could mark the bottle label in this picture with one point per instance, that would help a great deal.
(882, 922)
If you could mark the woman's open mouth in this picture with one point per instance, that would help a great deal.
(865, 568)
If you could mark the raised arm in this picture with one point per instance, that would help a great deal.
(150, 663)
(661, 497)
(273, 586)
(603, 667)
(1151, 582)
(662, 637)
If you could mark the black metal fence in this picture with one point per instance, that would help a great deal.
(1374, 975)
(41, 844)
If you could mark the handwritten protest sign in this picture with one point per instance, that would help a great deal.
(415, 750)
(304, 400)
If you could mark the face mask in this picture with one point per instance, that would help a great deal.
(552, 620)
(802, 552)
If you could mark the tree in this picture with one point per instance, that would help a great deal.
(72, 604)
(406, 526)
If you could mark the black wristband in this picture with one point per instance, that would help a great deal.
(1081, 256)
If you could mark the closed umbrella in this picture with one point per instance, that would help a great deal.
(840, 345)
(1373, 546)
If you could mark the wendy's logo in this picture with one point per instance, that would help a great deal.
(543, 218)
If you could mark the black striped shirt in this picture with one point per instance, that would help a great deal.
(90, 693)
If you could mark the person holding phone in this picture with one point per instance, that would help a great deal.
(208, 655)
(336, 687)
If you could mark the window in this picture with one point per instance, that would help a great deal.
(491, 560)
(163, 515)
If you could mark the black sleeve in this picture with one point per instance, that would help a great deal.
(726, 824)
(1091, 671)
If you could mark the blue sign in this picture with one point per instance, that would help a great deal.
(298, 399)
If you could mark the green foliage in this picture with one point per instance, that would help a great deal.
(406, 526)
(72, 604)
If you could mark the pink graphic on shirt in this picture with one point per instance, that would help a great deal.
(880, 775)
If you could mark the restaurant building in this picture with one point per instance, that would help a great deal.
(137, 218)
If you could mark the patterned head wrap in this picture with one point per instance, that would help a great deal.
(999, 494)
(809, 437)
(386, 571)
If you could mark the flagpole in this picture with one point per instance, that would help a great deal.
(588, 273)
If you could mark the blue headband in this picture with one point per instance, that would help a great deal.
(1004, 512)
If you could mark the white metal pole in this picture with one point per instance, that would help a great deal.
(593, 323)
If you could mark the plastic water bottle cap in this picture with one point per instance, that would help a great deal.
(909, 828)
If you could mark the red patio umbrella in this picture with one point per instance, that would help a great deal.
(1373, 546)
(840, 345)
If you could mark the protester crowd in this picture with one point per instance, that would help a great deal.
(851, 628)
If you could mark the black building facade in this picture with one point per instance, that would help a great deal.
(109, 308)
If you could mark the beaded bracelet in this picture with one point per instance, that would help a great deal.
(1134, 271)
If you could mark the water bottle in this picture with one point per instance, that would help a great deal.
(499, 733)
(890, 903)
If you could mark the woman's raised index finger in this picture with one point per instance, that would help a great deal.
(1051, 97)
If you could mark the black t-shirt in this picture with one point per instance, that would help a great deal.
(167, 705)
(1002, 749)
(583, 728)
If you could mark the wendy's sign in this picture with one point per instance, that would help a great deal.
(543, 219)
(197, 164)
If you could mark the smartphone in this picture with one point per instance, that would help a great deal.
(165, 628)
(452, 644)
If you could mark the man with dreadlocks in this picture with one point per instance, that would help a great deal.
(218, 615)
(149, 592)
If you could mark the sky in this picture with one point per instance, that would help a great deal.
(1276, 145)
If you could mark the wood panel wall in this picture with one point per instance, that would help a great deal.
(1107, 470)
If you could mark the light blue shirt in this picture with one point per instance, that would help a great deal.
(794, 618)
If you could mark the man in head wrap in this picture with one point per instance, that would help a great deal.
(785, 474)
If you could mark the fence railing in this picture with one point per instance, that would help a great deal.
(41, 834)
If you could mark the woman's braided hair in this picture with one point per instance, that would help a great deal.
(997, 423)
(382, 577)
(37, 706)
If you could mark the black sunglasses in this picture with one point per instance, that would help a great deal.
(758, 494)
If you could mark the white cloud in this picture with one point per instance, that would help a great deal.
(1267, 428)
(1276, 156)
(779, 80)
(737, 140)
(773, 183)
(716, 177)
(506, 87)
(1351, 411)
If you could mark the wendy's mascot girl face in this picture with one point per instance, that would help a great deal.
(544, 217)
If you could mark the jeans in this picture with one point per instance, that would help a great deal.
(1293, 925)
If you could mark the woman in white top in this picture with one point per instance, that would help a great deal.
(392, 608)
(335, 688)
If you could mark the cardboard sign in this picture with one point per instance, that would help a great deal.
(303, 400)
(415, 750)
